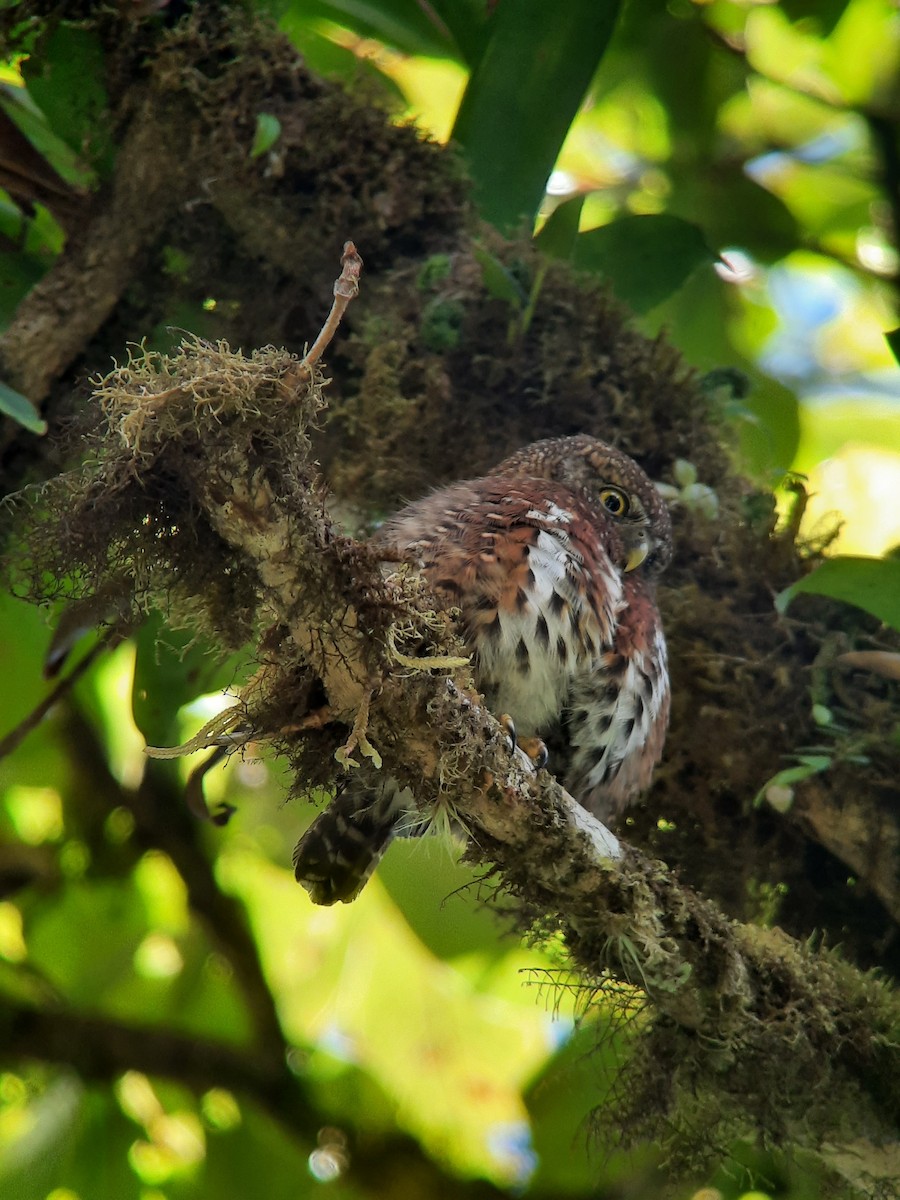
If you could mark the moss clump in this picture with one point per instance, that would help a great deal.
(129, 522)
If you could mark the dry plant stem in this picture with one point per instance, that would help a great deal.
(346, 288)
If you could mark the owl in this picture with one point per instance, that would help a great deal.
(551, 560)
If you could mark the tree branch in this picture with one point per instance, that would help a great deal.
(773, 1008)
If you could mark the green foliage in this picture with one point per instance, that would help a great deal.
(66, 82)
(645, 259)
(268, 130)
(559, 234)
(869, 583)
(171, 669)
(682, 133)
(511, 135)
(20, 408)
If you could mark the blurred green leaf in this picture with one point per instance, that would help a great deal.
(409, 27)
(560, 233)
(39, 761)
(468, 21)
(872, 584)
(736, 210)
(893, 340)
(18, 275)
(561, 1100)
(825, 13)
(65, 79)
(440, 899)
(73, 1138)
(256, 1157)
(86, 979)
(522, 96)
(334, 61)
(172, 667)
(498, 280)
(268, 131)
(769, 443)
(644, 259)
(22, 110)
(20, 408)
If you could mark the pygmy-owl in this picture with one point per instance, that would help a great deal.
(551, 560)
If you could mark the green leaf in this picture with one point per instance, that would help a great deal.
(572, 1085)
(644, 259)
(439, 899)
(20, 408)
(559, 235)
(808, 765)
(823, 14)
(25, 114)
(468, 21)
(893, 340)
(171, 668)
(268, 131)
(410, 28)
(19, 272)
(522, 97)
(872, 584)
(499, 282)
(66, 83)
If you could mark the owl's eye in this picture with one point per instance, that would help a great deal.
(614, 501)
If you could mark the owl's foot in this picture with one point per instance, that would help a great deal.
(533, 747)
(536, 750)
(508, 725)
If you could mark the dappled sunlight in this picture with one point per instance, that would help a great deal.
(860, 486)
(452, 1054)
(432, 88)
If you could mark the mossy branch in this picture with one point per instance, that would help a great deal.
(216, 447)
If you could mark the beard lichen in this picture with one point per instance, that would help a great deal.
(132, 521)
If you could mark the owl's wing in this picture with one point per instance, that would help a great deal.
(529, 568)
(619, 709)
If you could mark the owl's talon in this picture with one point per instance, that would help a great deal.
(533, 747)
(536, 750)
(508, 725)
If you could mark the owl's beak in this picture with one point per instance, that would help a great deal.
(637, 554)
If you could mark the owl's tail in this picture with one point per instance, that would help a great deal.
(336, 856)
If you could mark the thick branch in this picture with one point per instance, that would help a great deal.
(220, 440)
(61, 314)
(752, 991)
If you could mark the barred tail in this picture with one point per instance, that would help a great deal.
(336, 856)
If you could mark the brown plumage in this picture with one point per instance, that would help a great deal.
(551, 560)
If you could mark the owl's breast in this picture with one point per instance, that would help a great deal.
(535, 582)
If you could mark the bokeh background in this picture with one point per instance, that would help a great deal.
(768, 134)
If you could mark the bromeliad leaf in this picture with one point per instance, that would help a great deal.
(20, 408)
(644, 259)
(872, 584)
(560, 234)
(522, 97)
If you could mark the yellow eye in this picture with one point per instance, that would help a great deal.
(614, 501)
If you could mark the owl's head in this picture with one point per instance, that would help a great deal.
(614, 484)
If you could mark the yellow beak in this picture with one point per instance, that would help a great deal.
(637, 555)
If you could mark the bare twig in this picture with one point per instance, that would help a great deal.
(346, 288)
(16, 736)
